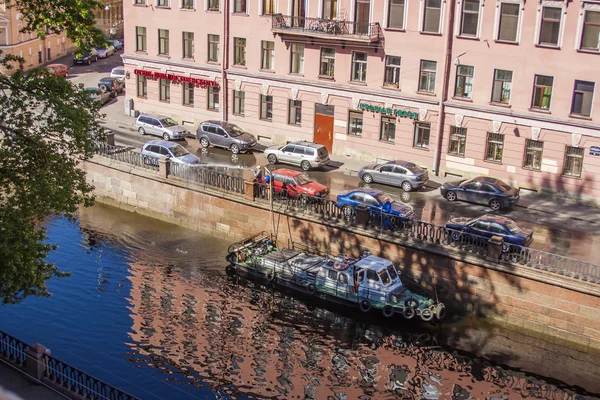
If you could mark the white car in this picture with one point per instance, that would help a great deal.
(106, 51)
(119, 73)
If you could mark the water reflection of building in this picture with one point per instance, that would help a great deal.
(262, 343)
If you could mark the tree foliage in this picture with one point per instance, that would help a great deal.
(47, 127)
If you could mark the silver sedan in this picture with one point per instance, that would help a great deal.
(404, 174)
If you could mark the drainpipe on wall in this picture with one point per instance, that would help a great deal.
(225, 62)
(441, 112)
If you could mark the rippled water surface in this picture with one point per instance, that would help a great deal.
(149, 309)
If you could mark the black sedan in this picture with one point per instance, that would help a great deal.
(483, 190)
(491, 225)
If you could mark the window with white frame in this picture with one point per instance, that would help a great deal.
(213, 48)
(532, 157)
(188, 94)
(508, 23)
(295, 112)
(139, 2)
(188, 45)
(359, 67)
(494, 147)
(239, 52)
(239, 6)
(573, 161)
(297, 61)
(388, 129)
(590, 36)
(427, 76)
(330, 9)
(163, 41)
(213, 98)
(469, 18)
(239, 102)
(464, 81)
(214, 5)
(395, 14)
(165, 90)
(542, 92)
(327, 67)
(422, 132)
(142, 86)
(583, 95)
(267, 55)
(268, 7)
(550, 26)
(162, 3)
(501, 86)
(392, 71)
(458, 141)
(266, 108)
(355, 123)
(432, 14)
(187, 4)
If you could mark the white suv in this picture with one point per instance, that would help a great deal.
(307, 155)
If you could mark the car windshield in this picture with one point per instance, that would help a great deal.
(166, 122)
(385, 278)
(392, 271)
(512, 227)
(302, 179)
(465, 183)
(234, 130)
(383, 198)
(503, 186)
(179, 151)
(415, 169)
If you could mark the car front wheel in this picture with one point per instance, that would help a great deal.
(272, 159)
(166, 136)
(235, 149)
(367, 178)
(451, 196)
(495, 204)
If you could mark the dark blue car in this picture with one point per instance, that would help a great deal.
(375, 199)
(491, 225)
(483, 190)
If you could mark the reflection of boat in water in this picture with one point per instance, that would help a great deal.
(368, 282)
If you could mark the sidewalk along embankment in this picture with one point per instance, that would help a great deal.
(541, 303)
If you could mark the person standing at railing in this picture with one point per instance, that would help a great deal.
(257, 173)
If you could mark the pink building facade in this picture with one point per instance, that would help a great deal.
(504, 88)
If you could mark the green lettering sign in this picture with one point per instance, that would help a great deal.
(388, 111)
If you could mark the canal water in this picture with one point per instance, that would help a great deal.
(150, 310)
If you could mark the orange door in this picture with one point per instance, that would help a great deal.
(324, 129)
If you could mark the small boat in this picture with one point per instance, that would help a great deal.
(368, 282)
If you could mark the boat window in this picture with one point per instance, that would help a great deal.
(343, 278)
(392, 271)
(385, 278)
(361, 277)
(333, 275)
(372, 276)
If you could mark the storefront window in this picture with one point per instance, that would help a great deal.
(388, 129)
(355, 123)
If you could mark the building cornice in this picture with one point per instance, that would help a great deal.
(534, 121)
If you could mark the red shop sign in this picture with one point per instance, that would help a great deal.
(175, 78)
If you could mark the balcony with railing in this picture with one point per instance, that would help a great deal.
(317, 27)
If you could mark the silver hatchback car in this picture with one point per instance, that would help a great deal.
(160, 125)
(404, 174)
(307, 155)
(155, 149)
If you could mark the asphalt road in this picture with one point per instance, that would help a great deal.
(574, 238)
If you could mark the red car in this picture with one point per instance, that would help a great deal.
(58, 69)
(296, 183)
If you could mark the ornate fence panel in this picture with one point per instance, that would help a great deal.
(207, 177)
(128, 156)
(76, 381)
(13, 350)
(325, 26)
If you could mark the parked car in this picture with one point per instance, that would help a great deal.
(160, 125)
(404, 174)
(58, 69)
(375, 199)
(119, 73)
(297, 184)
(225, 135)
(307, 155)
(112, 85)
(483, 190)
(99, 95)
(117, 44)
(86, 57)
(156, 149)
(491, 225)
(106, 51)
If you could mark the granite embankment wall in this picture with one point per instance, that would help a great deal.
(558, 309)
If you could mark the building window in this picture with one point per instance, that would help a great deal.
(533, 154)
(388, 128)
(330, 9)
(266, 108)
(355, 123)
(162, 3)
(188, 94)
(458, 141)
(509, 22)
(494, 147)
(590, 39)
(187, 4)
(142, 86)
(542, 92)
(268, 7)
(163, 41)
(213, 48)
(267, 55)
(213, 98)
(359, 67)
(362, 17)
(431, 16)
(422, 131)
(470, 18)
(573, 161)
(239, 56)
(396, 14)
(427, 78)
(502, 86)
(188, 44)
(550, 26)
(239, 100)
(140, 42)
(297, 64)
(392, 71)
(165, 90)
(464, 81)
(139, 2)
(582, 98)
(214, 5)
(327, 63)
(239, 6)
(295, 112)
